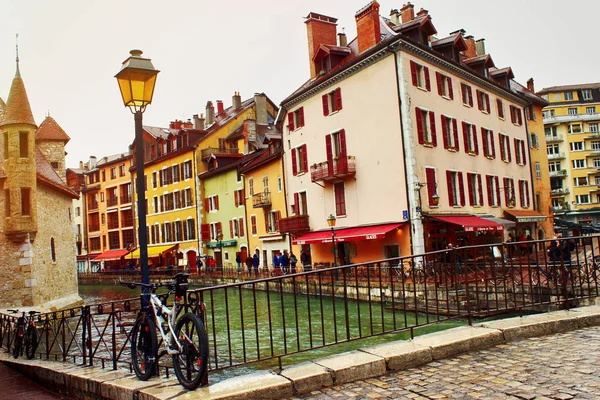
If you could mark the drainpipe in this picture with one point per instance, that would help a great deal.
(248, 233)
(197, 195)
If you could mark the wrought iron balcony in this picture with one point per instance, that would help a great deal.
(112, 201)
(262, 199)
(333, 170)
(125, 199)
(295, 224)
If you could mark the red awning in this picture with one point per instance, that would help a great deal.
(111, 255)
(348, 234)
(470, 223)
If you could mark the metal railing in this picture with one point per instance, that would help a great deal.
(273, 317)
(261, 199)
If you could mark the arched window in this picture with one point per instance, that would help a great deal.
(52, 250)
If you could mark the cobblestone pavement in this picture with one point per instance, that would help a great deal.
(561, 366)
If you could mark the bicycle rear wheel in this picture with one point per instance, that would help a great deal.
(144, 347)
(31, 342)
(190, 365)
(18, 342)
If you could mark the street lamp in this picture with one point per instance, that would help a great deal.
(136, 79)
(220, 239)
(331, 222)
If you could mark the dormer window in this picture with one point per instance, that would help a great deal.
(420, 76)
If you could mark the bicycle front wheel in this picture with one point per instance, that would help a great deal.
(144, 347)
(31, 342)
(18, 342)
(191, 363)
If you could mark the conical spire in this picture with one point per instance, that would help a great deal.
(17, 109)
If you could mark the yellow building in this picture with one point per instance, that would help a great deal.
(573, 148)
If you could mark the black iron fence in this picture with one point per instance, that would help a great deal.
(278, 316)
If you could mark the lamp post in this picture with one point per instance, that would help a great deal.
(220, 239)
(331, 222)
(136, 79)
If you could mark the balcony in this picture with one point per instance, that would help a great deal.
(206, 153)
(112, 201)
(94, 227)
(261, 200)
(125, 199)
(557, 156)
(557, 208)
(554, 138)
(593, 153)
(92, 206)
(333, 170)
(571, 118)
(561, 173)
(295, 224)
(559, 191)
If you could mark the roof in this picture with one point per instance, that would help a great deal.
(570, 87)
(522, 90)
(452, 39)
(2, 108)
(259, 158)
(111, 159)
(226, 163)
(484, 58)
(159, 133)
(18, 110)
(50, 130)
(46, 174)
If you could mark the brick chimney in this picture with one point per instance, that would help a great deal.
(480, 47)
(220, 107)
(342, 40)
(423, 12)
(321, 29)
(407, 12)
(395, 16)
(471, 50)
(188, 124)
(530, 85)
(367, 26)
(199, 122)
(236, 100)
(210, 113)
(260, 99)
(175, 124)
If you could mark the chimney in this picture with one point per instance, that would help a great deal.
(236, 100)
(480, 47)
(80, 164)
(395, 16)
(260, 99)
(423, 12)
(530, 85)
(367, 26)
(321, 29)
(199, 122)
(210, 113)
(93, 161)
(407, 12)
(471, 51)
(175, 124)
(342, 39)
(220, 107)
(188, 124)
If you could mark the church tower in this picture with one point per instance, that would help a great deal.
(51, 139)
(17, 133)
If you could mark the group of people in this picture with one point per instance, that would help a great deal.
(523, 248)
(285, 262)
(251, 263)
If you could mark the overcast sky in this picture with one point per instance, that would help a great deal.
(70, 51)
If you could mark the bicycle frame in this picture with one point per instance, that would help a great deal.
(158, 310)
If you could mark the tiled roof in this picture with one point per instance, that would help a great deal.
(228, 114)
(456, 37)
(522, 90)
(50, 130)
(112, 158)
(18, 110)
(2, 108)
(570, 87)
(160, 132)
(46, 174)
(259, 158)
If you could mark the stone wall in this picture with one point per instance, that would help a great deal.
(54, 151)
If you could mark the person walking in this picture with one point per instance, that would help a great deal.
(293, 262)
(249, 264)
(255, 262)
(239, 262)
(276, 264)
(305, 260)
(522, 244)
(285, 262)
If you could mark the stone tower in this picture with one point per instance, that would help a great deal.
(51, 139)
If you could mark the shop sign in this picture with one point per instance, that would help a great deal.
(224, 243)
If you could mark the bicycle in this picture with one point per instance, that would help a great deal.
(185, 338)
(25, 334)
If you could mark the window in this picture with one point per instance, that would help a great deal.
(551, 132)
(251, 186)
(467, 95)
(475, 189)
(299, 160)
(23, 144)
(279, 184)
(587, 94)
(432, 186)
(493, 190)
(581, 181)
(483, 102)
(538, 171)
(576, 146)
(78, 211)
(113, 173)
(238, 197)
(520, 155)
(253, 225)
(500, 107)
(572, 111)
(300, 206)
(450, 133)
(515, 116)
(568, 96)
(456, 189)
(582, 199)
(272, 221)
(53, 250)
(175, 173)
(575, 128)
(265, 181)
(122, 170)
(505, 154)
(596, 145)
(212, 203)
(187, 169)
(470, 138)
(25, 201)
(578, 164)
(296, 119)
(534, 141)
(487, 141)
(332, 102)
(554, 166)
(444, 84)
(5, 140)
(530, 113)
(154, 182)
(590, 110)
(509, 192)
(420, 76)
(552, 149)
(426, 127)
(594, 128)
(340, 199)
(524, 194)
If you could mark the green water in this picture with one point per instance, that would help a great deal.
(272, 324)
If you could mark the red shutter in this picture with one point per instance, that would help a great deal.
(305, 160)
(230, 228)
(338, 99)
(444, 132)
(455, 126)
(479, 100)
(483, 143)
(526, 193)
(219, 227)
(217, 202)
(519, 116)
(413, 73)
(502, 150)
(235, 197)
(522, 192)
(430, 176)
(488, 180)
(343, 158)
(524, 160)
(438, 78)
(206, 204)
(301, 115)
(253, 223)
(461, 187)
(329, 152)
(509, 155)
(500, 108)
(512, 114)
(432, 127)
(506, 194)
(449, 182)
(325, 105)
(493, 143)
(291, 121)
(243, 199)
(205, 231)
(465, 136)
(471, 189)
(294, 166)
(241, 223)
(470, 95)
(277, 218)
(497, 189)
(266, 215)
(517, 152)
(419, 125)
(487, 103)
(450, 91)
(427, 83)
(296, 204)
(480, 188)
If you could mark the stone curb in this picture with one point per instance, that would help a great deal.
(368, 362)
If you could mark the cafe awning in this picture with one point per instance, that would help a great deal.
(525, 215)
(507, 223)
(470, 223)
(153, 251)
(348, 234)
(111, 255)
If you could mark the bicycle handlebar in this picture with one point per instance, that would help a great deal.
(152, 286)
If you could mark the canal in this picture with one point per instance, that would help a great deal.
(273, 323)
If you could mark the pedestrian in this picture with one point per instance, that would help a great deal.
(238, 260)
(276, 261)
(249, 264)
(511, 246)
(522, 244)
(305, 260)
(530, 246)
(199, 264)
(285, 262)
(255, 262)
(293, 262)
